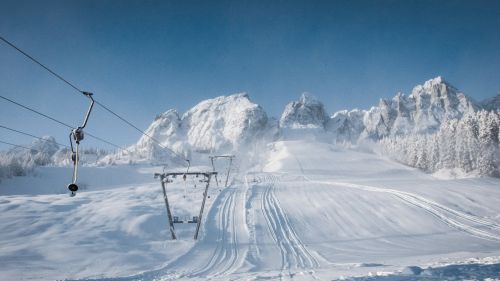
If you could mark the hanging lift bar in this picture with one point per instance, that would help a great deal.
(214, 157)
(77, 135)
(164, 179)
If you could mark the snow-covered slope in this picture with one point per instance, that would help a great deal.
(314, 212)
(301, 210)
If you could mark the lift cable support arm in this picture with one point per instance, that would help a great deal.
(164, 179)
(77, 135)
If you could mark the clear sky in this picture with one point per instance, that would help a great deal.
(144, 57)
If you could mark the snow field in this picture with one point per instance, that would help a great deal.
(314, 212)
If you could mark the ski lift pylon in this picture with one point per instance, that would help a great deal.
(164, 179)
(230, 157)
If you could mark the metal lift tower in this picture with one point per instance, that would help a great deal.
(230, 158)
(164, 179)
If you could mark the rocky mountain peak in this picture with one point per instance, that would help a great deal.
(491, 103)
(307, 112)
(223, 123)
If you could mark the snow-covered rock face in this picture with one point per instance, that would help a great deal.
(436, 101)
(165, 129)
(306, 113)
(491, 103)
(223, 123)
(421, 112)
(347, 125)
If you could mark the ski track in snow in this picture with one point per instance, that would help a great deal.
(247, 233)
(295, 257)
(226, 253)
(441, 212)
(448, 215)
(225, 258)
(208, 262)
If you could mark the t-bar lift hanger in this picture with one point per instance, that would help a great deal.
(77, 135)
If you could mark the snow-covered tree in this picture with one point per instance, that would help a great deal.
(470, 144)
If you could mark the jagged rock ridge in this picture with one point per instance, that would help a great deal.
(228, 123)
(221, 124)
(422, 111)
(306, 113)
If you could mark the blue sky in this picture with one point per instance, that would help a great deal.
(144, 57)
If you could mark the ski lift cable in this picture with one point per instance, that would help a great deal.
(20, 146)
(139, 130)
(30, 135)
(40, 64)
(86, 94)
(60, 122)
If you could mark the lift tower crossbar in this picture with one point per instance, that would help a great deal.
(164, 179)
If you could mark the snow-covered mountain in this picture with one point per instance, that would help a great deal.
(347, 125)
(227, 123)
(165, 129)
(39, 152)
(491, 103)
(306, 113)
(19, 161)
(221, 124)
(422, 111)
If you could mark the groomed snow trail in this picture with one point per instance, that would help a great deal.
(218, 252)
(313, 212)
(305, 220)
(473, 225)
(294, 254)
(224, 245)
(480, 227)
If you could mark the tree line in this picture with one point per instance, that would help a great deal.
(470, 144)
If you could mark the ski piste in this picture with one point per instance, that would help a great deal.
(310, 211)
